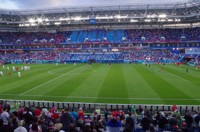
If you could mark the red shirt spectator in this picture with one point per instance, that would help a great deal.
(37, 112)
(81, 114)
(1, 108)
(55, 116)
(174, 108)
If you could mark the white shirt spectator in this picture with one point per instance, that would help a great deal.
(5, 117)
(20, 127)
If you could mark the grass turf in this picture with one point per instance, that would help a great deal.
(102, 83)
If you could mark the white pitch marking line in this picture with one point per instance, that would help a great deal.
(93, 70)
(107, 98)
(175, 76)
(49, 81)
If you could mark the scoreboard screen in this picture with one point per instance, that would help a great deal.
(92, 21)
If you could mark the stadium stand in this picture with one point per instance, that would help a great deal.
(111, 36)
(123, 34)
(52, 117)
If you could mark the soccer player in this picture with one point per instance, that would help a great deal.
(25, 68)
(13, 68)
(187, 70)
(9, 73)
(56, 64)
(74, 64)
(1, 73)
(197, 67)
(28, 68)
(161, 68)
(8, 68)
(19, 74)
(3, 67)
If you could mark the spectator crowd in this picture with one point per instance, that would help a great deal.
(153, 56)
(133, 119)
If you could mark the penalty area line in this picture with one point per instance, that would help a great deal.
(49, 81)
(173, 75)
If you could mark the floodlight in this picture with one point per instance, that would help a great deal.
(26, 25)
(147, 20)
(151, 16)
(162, 16)
(61, 19)
(31, 20)
(177, 20)
(57, 23)
(133, 20)
(33, 24)
(39, 20)
(77, 18)
(170, 20)
(46, 19)
(118, 16)
(161, 20)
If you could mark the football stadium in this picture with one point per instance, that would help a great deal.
(105, 68)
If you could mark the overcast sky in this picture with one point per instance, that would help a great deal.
(37, 4)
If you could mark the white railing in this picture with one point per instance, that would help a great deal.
(61, 105)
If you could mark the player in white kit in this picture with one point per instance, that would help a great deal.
(19, 74)
(1, 73)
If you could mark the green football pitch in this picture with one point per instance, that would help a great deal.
(103, 83)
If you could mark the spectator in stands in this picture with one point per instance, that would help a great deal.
(74, 114)
(1, 107)
(35, 128)
(27, 116)
(173, 123)
(161, 121)
(145, 122)
(20, 127)
(129, 124)
(5, 116)
(174, 107)
(189, 120)
(66, 120)
(197, 120)
(43, 126)
(114, 125)
(81, 113)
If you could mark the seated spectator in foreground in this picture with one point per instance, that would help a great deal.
(129, 123)
(74, 115)
(66, 120)
(81, 113)
(35, 128)
(20, 127)
(5, 116)
(145, 123)
(114, 125)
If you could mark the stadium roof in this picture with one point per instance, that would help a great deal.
(185, 12)
(41, 4)
(115, 7)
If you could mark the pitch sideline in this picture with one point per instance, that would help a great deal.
(106, 98)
